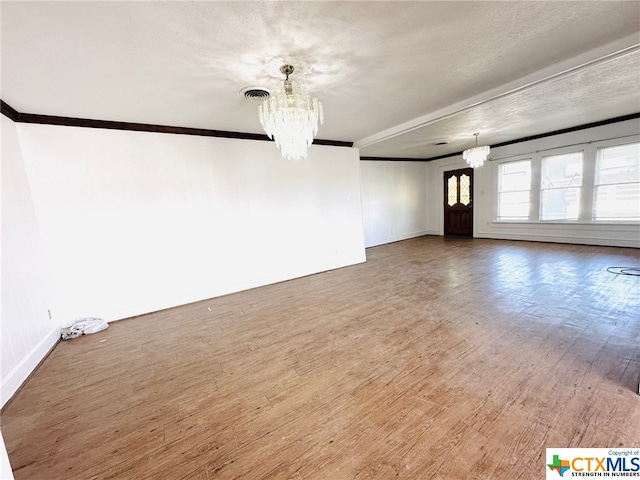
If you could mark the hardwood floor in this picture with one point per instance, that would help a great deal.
(438, 358)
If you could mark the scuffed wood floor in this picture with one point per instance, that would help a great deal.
(438, 358)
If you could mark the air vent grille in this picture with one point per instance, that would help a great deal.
(255, 93)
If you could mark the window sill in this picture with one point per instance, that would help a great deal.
(564, 223)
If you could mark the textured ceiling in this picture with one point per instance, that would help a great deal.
(394, 77)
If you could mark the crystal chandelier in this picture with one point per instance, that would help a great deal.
(476, 156)
(291, 118)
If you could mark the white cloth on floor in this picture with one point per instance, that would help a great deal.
(83, 326)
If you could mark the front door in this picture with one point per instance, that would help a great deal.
(458, 202)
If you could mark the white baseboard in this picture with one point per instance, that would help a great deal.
(395, 238)
(555, 238)
(21, 372)
(5, 467)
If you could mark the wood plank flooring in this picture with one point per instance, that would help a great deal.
(438, 358)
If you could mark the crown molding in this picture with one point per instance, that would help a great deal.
(8, 111)
(395, 159)
(19, 117)
(11, 113)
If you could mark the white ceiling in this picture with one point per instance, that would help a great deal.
(394, 77)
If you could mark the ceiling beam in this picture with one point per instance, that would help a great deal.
(600, 123)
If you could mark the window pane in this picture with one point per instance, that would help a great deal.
(620, 164)
(560, 186)
(617, 202)
(465, 192)
(562, 170)
(513, 206)
(560, 204)
(452, 191)
(617, 183)
(514, 184)
(515, 176)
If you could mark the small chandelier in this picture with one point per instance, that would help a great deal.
(476, 156)
(291, 118)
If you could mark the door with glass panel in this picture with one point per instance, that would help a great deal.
(458, 202)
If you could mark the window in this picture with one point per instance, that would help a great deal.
(452, 191)
(616, 194)
(595, 182)
(465, 189)
(514, 185)
(560, 185)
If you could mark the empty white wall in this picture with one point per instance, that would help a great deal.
(135, 222)
(26, 332)
(485, 189)
(394, 200)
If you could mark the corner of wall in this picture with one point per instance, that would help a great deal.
(27, 365)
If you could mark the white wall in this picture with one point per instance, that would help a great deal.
(26, 332)
(485, 189)
(134, 222)
(394, 200)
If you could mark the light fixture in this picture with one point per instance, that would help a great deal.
(476, 156)
(291, 118)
